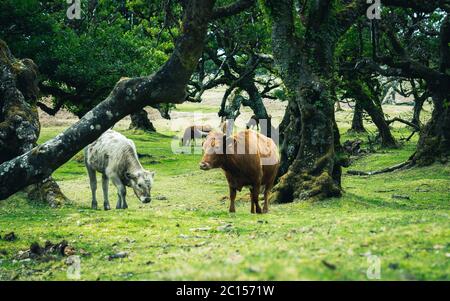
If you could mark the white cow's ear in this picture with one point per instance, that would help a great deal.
(152, 173)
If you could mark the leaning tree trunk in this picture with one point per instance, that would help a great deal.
(418, 105)
(357, 121)
(377, 116)
(140, 121)
(19, 120)
(358, 91)
(167, 85)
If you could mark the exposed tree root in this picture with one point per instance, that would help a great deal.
(303, 186)
(47, 192)
(401, 166)
(140, 121)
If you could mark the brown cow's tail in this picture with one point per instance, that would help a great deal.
(263, 189)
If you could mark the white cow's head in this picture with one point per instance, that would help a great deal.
(141, 181)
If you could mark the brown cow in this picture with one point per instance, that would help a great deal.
(248, 159)
(195, 132)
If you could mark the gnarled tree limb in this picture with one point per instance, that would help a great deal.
(232, 9)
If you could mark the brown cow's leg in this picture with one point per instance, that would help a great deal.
(266, 198)
(232, 198)
(255, 199)
(252, 209)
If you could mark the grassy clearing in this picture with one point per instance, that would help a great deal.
(192, 236)
(196, 108)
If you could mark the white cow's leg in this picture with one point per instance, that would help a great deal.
(121, 193)
(105, 183)
(93, 184)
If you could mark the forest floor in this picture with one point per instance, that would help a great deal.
(400, 220)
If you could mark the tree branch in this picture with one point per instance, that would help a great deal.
(414, 126)
(48, 110)
(232, 9)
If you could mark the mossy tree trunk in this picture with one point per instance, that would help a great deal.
(306, 69)
(357, 121)
(418, 106)
(359, 90)
(19, 120)
(140, 121)
(419, 100)
(434, 142)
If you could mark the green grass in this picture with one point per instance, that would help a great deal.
(196, 108)
(186, 237)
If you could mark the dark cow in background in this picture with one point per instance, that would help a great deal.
(264, 126)
(248, 159)
(195, 132)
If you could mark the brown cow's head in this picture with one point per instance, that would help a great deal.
(214, 151)
(141, 181)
